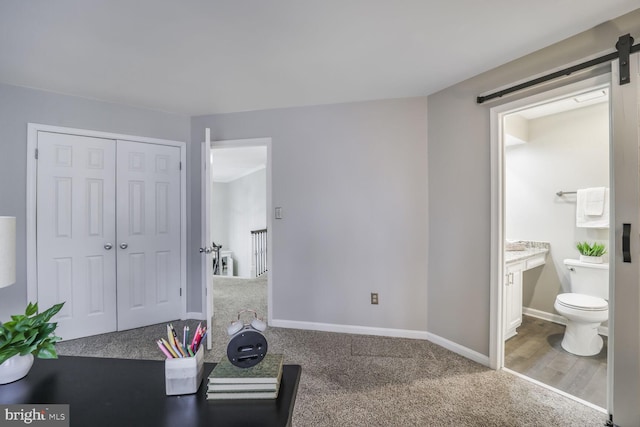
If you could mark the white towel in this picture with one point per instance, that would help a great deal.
(594, 204)
(592, 208)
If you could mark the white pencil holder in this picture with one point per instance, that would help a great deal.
(184, 375)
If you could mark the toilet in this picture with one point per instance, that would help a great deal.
(585, 307)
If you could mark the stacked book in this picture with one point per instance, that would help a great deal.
(262, 381)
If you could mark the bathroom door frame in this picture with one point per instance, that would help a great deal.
(497, 114)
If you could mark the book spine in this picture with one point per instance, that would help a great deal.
(241, 387)
(256, 395)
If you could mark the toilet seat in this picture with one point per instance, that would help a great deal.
(582, 302)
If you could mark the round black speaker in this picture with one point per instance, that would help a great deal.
(247, 348)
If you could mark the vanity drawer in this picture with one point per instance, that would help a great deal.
(534, 262)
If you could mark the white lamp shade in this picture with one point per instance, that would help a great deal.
(7, 250)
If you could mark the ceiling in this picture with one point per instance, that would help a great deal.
(569, 103)
(196, 57)
(229, 164)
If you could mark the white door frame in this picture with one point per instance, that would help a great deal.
(496, 338)
(239, 143)
(32, 168)
(205, 250)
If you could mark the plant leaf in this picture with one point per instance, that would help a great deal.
(31, 309)
(47, 352)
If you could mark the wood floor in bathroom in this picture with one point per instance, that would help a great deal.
(536, 352)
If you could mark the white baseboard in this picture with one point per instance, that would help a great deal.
(349, 329)
(556, 318)
(385, 332)
(196, 315)
(459, 349)
(539, 314)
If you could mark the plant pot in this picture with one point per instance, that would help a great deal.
(591, 259)
(15, 368)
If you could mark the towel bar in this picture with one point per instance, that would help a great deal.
(562, 193)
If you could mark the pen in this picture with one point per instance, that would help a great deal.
(173, 333)
(203, 336)
(198, 337)
(195, 335)
(203, 332)
(185, 335)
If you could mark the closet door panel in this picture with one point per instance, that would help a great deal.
(148, 212)
(75, 222)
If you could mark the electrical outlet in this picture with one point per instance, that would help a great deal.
(374, 298)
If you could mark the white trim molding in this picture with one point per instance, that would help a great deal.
(349, 329)
(556, 318)
(496, 115)
(459, 349)
(384, 332)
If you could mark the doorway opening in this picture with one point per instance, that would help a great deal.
(238, 207)
(549, 148)
(241, 231)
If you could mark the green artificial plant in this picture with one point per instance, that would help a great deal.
(597, 249)
(30, 332)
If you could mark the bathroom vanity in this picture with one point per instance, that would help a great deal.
(527, 255)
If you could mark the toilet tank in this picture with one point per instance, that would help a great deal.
(588, 278)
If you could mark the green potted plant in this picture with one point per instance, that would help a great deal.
(25, 336)
(591, 253)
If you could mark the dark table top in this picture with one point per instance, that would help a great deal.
(127, 392)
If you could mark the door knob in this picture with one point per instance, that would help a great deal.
(206, 250)
(108, 246)
(123, 246)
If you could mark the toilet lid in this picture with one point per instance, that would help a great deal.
(582, 302)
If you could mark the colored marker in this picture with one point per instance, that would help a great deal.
(164, 350)
(169, 348)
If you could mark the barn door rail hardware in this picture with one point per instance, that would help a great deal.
(624, 49)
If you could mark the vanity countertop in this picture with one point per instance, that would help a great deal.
(531, 249)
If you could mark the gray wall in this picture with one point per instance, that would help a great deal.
(566, 151)
(19, 106)
(237, 207)
(220, 213)
(248, 211)
(460, 177)
(352, 182)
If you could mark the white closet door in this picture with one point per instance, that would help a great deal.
(148, 229)
(75, 226)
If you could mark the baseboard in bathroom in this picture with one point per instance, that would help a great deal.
(556, 318)
(539, 314)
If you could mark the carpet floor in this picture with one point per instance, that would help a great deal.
(358, 380)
